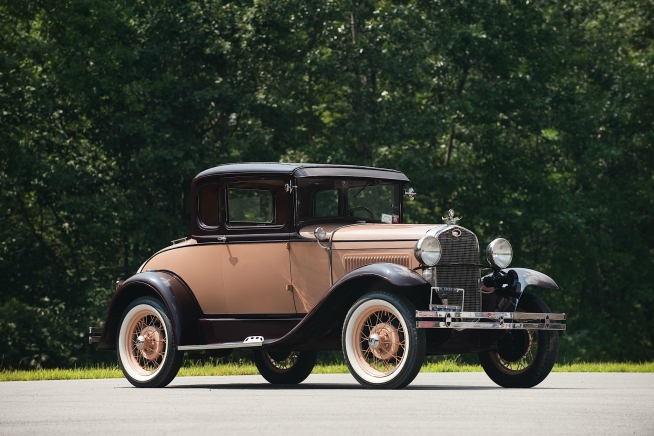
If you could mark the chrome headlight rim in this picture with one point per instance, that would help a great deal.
(428, 241)
(494, 251)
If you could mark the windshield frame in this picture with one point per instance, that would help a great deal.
(367, 182)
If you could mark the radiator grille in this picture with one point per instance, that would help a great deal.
(354, 262)
(462, 249)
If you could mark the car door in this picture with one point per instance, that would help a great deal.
(256, 261)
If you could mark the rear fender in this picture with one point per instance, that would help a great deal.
(183, 309)
(330, 311)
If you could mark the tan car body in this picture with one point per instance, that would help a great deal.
(283, 277)
(260, 271)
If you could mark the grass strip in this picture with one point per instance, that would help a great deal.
(605, 367)
(249, 369)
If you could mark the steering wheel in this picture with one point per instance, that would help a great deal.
(355, 209)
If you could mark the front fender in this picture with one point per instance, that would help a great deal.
(497, 301)
(183, 309)
(528, 277)
(334, 305)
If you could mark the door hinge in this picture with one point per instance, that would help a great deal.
(289, 288)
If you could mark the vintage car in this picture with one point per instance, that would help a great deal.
(292, 259)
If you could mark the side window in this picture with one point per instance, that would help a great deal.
(255, 203)
(209, 205)
(325, 203)
(250, 206)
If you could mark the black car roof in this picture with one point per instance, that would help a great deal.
(305, 170)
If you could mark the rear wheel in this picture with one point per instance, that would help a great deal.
(146, 347)
(524, 358)
(381, 344)
(283, 367)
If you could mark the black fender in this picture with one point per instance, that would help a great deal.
(330, 311)
(529, 277)
(526, 277)
(182, 306)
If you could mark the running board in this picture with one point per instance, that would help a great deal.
(249, 342)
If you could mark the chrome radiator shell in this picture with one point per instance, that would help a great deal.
(449, 273)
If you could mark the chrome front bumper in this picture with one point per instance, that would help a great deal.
(444, 319)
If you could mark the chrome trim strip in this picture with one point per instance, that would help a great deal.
(376, 240)
(488, 325)
(249, 342)
(491, 315)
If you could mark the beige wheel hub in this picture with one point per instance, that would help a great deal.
(384, 341)
(150, 343)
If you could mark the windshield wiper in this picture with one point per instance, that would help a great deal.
(367, 184)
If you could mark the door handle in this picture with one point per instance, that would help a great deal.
(222, 239)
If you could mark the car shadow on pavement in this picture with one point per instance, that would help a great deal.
(323, 386)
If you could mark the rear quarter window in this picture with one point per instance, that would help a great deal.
(209, 205)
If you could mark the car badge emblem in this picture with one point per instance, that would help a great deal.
(456, 233)
(450, 218)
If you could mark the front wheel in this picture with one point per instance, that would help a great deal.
(523, 358)
(381, 344)
(146, 347)
(285, 368)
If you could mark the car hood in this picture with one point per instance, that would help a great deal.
(371, 231)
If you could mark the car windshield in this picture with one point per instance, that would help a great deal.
(348, 199)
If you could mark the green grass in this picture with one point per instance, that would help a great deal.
(249, 369)
(605, 367)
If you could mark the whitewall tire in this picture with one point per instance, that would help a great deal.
(147, 352)
(381, 344)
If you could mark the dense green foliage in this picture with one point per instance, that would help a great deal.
(533, 119)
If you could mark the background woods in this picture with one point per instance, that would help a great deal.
(533, 119)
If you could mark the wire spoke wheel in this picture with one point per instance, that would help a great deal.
(523, 358)
(381, 344)
(285, 367)
(522, 363)
(380, 341)
(282, 361)
(147, 337)
(147, 352)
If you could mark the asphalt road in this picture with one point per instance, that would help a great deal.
(434, 404)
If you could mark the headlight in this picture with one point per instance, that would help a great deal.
(499, 253)
(428, 250)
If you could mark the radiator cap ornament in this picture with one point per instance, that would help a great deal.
(450, 218)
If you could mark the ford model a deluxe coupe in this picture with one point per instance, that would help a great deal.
(292, 259)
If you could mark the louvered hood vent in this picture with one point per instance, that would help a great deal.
(353, 262)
